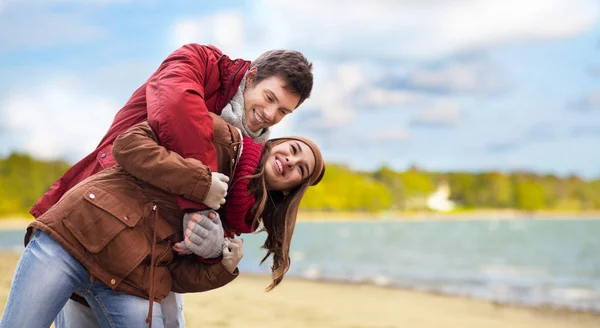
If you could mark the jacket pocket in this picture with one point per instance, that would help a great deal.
(99, 217)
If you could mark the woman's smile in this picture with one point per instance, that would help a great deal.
(279, 166)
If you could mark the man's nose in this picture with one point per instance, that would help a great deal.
(270, 113)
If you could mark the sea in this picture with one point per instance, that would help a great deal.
(531, 262)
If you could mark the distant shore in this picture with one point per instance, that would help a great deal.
(484, 214)
(20, 223)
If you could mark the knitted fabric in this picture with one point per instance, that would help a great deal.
(234, 114)
(238, 208)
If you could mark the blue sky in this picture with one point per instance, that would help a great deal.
(444, 85)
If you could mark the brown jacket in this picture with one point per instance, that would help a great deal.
(122, 222)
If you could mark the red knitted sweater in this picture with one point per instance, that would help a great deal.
(237, 211)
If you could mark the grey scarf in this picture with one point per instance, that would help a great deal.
(233, 113)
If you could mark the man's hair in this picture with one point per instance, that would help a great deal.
(289, 65)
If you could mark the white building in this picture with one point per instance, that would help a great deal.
(438, 201)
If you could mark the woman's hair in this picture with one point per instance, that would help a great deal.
(277, 212)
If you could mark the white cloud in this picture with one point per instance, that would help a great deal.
(223, 29)
(589, 101)
(471, 76)
(36, 26)
(396, 135)
(442, 113)
(418, 29)
(374, 97)
(55, 120)
(593, 99)
(332, 92)
(342, 89)
(83, 2)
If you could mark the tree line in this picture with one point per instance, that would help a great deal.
(23, 180)
(386, 189)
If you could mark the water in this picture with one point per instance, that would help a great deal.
(529, 262)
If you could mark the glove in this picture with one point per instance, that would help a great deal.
(217, 191)
(203, 236)
(233, 251)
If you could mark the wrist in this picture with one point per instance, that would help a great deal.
(231, 268)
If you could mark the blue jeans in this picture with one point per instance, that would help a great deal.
(74, 314)
(45, 278)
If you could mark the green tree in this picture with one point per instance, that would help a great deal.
(529, 196)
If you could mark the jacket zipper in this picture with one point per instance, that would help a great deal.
(233, 79)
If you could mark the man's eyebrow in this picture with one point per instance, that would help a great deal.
(273, 95)
(277, 100)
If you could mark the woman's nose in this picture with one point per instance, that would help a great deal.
(290, 161)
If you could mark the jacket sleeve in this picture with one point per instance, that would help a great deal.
(139, 153)
(191, 276)
(177, 111)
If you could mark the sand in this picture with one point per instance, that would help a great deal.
(300, 303)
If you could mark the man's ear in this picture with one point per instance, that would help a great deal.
(250, 75)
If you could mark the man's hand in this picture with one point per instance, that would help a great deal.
(217, 192)
(233, 251)
(203, 234)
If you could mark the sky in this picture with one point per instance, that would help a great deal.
(462, 85)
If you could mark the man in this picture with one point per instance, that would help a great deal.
(176, 100)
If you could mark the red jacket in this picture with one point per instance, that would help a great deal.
(176, 99)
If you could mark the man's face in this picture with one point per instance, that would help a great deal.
(267, 102)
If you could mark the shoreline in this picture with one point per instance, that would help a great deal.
(332, 304)
(14, 224)
(20, 223)
(538, 308)
(559, 309)
(321, 216)
(300, 303)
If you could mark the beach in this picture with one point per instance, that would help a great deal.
(301, 303)
(20, 223)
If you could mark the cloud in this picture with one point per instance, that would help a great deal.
(398, 134)
(27, 26)
(223, 29)
(594, 70)
(79, 2)
(583, 131)
(332, 93)
(418, 29)
(544, 131)
(58, 119)
(343, 88)
(443, 113)
(590, 101)
(456, 76)
(503, 146)
(376, 97)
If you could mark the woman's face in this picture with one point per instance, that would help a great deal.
(288, 164)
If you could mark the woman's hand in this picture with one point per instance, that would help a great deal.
(217, 191)
(233, 251)
(203, 235)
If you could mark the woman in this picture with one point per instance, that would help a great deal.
(120, 224)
